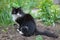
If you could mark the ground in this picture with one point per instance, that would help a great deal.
(12, 34)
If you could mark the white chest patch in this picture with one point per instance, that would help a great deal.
(15, 16)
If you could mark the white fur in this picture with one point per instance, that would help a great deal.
(20, 31)
(15, 16)
(19, 15)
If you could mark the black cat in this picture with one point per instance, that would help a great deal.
(27, 25)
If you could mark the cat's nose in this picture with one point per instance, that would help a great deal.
(18, 14)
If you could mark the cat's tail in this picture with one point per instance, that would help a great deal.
(47, 33)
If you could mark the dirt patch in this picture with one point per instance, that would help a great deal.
(12, 34)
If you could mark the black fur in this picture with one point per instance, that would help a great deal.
(16, 10)
(28, 26)
(26, 21)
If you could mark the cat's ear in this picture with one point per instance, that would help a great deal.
(13, 8)
(20, 8)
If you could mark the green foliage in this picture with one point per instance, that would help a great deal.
(39, 38)
(6, 6)
(5, 13)
(5, 18)
(48, 11)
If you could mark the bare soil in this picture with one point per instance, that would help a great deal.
(12, 34)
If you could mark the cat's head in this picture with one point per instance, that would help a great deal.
(17, 12)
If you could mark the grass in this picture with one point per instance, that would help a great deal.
(5, 18)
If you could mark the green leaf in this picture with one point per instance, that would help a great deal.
(39, 37)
